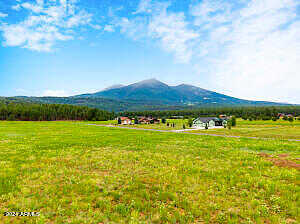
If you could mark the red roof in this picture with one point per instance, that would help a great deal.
(125, 118)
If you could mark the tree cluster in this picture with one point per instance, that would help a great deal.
(250, 113)
(50, 112)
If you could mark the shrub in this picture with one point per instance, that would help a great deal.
(190, 122)
(136, 120)
(229, 124)
(233, 121)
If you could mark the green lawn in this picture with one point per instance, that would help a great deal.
(74, 173)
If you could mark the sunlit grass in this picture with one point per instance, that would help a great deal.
(74, 173)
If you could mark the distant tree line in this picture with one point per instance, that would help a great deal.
(50, 112)
(250, 113)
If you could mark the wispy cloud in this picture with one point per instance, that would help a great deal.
(47, 22)
(109, 28)
(153, 20)
(3, 15)
(58, 93)
(253, 50)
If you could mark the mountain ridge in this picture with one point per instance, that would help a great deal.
(182, 94)
(149, 94)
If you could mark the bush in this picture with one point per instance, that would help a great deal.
(190, 122)
(229, 124)
(136, 120)
(183, 126)
(290, 119)
(163, 120)
(244, 117)
(11, 117)
(233, 121)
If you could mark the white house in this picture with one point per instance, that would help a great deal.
(201, 122)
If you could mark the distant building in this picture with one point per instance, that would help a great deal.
(125, 120)
(148, 120)
(223, 116)
(202, 122)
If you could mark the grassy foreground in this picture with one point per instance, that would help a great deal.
(74, 173)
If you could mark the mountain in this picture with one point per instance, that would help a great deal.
(114, 87)
(148, 90)
(149, 94)
(152, 90)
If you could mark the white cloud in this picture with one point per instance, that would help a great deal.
(47, 22)
(96, 26)
(16, 7)
(3, 15)
(170, 29)
(109, 28)
(58, 93)
(144, 6)
(255, 54)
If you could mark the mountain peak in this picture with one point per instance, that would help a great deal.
(149, 82)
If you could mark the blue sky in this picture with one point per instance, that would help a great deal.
(244, 48)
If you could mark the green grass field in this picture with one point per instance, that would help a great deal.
(74, 173)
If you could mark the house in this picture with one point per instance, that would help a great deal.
(125, 120)
(148, 120)
(223, 116)
(202, 122)
(154, 121)
(144, 120)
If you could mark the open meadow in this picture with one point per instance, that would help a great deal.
(72, 172)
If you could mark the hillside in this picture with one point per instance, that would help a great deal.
(148, 95)
(182, 95)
